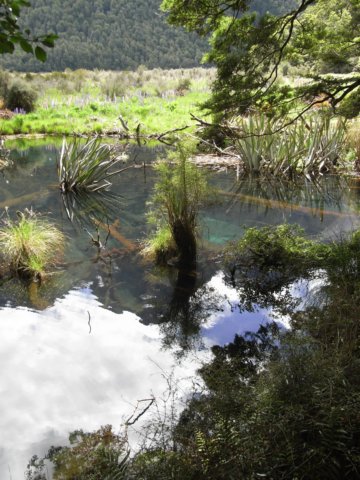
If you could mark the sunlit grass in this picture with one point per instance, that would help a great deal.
(30, 244)
(85, 102)
(160, 246)
(311, 146)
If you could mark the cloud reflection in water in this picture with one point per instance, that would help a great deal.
(56, 377)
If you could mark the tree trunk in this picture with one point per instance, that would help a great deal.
(185, 240)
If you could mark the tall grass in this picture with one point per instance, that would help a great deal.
(30, 244)
(87, 102)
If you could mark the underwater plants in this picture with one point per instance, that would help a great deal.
(87, 166)
(30, 244)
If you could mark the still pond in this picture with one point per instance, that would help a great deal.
(107, 328)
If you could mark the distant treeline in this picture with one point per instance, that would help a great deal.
(111, 35)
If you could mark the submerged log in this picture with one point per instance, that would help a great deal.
(114, 232)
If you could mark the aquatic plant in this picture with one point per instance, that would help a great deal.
(30, 244)
(310, 146)
(160, 246)
(179, 193)
(87, 166)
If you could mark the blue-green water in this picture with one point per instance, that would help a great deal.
(98, 334)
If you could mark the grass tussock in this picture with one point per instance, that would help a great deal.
(30, 244)
(160, 247)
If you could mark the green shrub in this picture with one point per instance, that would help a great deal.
(4, 83)
(350, 106)
(179, 193)
(183, 86)
(20, 96)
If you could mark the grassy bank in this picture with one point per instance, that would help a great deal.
(86, 102)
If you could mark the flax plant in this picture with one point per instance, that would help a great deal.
(310, 146)
(87, 166)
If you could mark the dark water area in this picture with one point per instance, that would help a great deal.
(79, 350)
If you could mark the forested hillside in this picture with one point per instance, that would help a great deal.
(111, 35)
(107, 34)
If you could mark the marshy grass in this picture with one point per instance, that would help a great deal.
(30, 244)
(87, 166)
(310, 146)
(160, 246)
(90, 102)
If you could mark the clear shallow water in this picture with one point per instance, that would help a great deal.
(61, 371)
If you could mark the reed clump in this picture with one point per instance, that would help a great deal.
(30, 244)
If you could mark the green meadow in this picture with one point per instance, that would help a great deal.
(91, 102)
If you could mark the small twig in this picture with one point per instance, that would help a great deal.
(123, 123)
(129, 421)
(89, 322)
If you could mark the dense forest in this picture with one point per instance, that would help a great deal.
(111, 35)
(107, 34)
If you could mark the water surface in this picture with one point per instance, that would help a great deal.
(80, 350)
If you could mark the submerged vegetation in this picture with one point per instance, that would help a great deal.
(30, 244)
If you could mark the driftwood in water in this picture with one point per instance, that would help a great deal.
(279, 204)
(114, 232)
(23, 199)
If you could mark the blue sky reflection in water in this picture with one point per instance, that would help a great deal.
(56, 376)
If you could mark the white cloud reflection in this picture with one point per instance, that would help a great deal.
(56, 377)
(221, 327)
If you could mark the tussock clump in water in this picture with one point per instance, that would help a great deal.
(160, 247)
(30, 244)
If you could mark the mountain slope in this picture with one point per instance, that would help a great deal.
(107, 34)
(112, 35)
